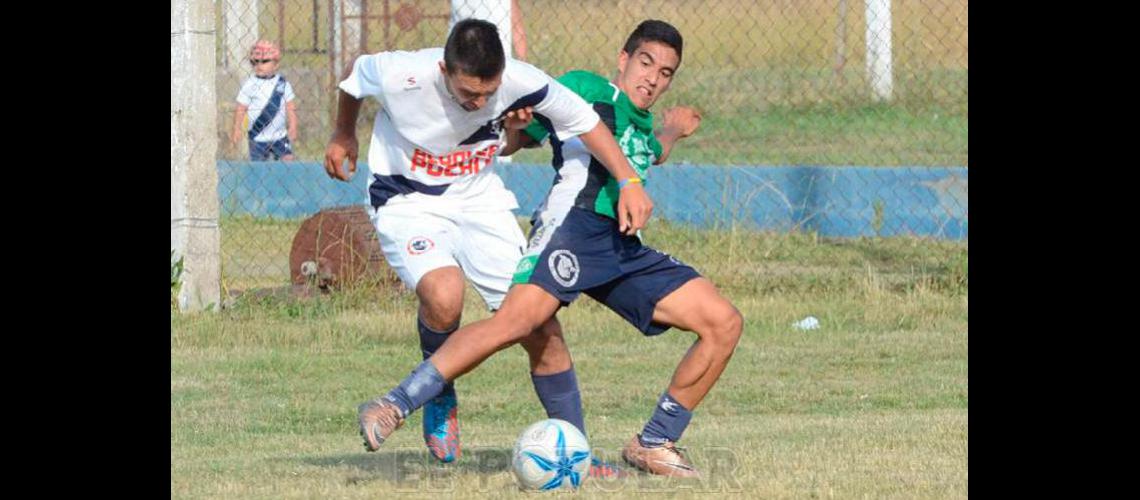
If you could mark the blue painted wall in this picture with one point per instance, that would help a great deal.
(833, 201)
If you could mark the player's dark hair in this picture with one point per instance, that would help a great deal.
(653, 30)
(473, 48)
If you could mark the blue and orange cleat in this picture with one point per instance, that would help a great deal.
(600, 469)
(441, 428)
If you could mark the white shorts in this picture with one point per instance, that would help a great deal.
(486, 245)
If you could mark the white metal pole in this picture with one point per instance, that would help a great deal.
(878, 14)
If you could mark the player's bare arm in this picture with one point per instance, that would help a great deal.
(343, 142)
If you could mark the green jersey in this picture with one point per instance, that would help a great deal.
(582, 181)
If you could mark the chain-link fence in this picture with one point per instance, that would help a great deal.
(822, 119)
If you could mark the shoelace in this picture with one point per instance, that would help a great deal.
(677, 450)
(393, 419)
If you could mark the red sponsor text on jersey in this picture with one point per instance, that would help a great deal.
(457, 164)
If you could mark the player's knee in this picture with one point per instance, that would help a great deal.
(440, 306)
(726, 327)
(735, 326)
(441, 313)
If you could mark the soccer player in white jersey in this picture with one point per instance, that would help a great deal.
(442, 212)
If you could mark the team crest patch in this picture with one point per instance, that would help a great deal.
(420, 244)
(564, 267)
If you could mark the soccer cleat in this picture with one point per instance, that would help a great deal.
(600, 469)
(664, 460)
(378, 419)
(441, 428)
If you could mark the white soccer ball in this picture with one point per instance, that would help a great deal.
(551, 454)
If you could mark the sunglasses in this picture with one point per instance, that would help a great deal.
(260, 61)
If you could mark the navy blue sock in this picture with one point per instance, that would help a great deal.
(668, 422)
(559, 395)
(430, 341)
(424, 384)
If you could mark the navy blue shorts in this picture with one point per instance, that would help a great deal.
(265, 151)
(585, 252)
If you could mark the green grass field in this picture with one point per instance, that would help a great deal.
(255, 254)
(875, 403)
